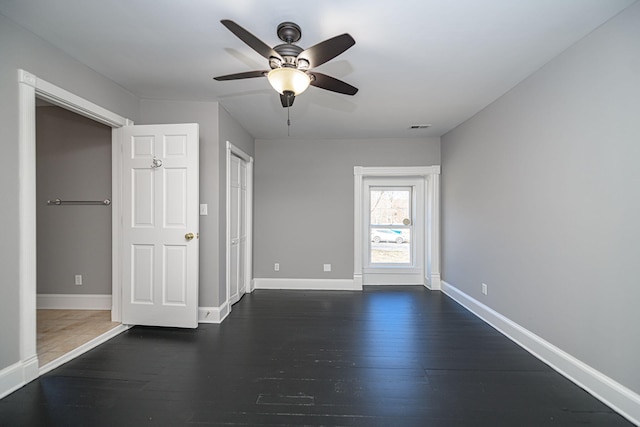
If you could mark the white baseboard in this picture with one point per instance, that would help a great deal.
(17, 375)
(11, 379)
(621, 399)
(308, 284)
(357, 281)
(21, 373)
(83, 348)
(73, 301)
(433, 283)
(393, 279)
(213, 314)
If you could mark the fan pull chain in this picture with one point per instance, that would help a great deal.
(288, 120)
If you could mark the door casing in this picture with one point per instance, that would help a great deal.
(431, 176)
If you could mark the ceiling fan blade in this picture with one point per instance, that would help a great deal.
(331, 83)
(287, 100)
(252, 41)
(238, 76)
(327, 50)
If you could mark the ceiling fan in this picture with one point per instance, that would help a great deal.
(291, 65)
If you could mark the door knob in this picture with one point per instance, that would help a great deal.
(189, 236)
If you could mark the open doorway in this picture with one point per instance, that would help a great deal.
(73, 231)
(29, 88)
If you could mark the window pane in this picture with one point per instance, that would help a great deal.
(390, 225)
(390, 246)
(390, 207)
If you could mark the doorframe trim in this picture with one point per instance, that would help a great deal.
(30, 86)
(233, 150)
(431, 175)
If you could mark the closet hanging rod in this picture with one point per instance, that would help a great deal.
(58, 202)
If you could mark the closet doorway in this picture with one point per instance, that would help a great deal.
(73, 231)
(239, 230)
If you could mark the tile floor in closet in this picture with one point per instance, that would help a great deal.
(60, 331)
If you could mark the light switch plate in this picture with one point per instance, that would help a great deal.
(203, 209)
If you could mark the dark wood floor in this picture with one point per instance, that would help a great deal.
(382, 357)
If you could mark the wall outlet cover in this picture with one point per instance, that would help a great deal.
(327, 267)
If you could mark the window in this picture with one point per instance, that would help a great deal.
(390, 225)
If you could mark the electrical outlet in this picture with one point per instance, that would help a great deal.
(78, 279)
(327, 267)
(485, 289)
(276, 266)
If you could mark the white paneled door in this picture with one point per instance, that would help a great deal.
(238, 227)
(160, 225)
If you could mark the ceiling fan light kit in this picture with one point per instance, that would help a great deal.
(288, 79)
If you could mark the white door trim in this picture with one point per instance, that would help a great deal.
(432, 227)
(233, 150)
(30, 86)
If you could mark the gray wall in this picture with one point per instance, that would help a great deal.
(540, 201)
(21, 49)
(229, 130)
(303, 209)
(73, 162)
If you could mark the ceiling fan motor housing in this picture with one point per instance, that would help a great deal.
(289, 32)
(289, 52)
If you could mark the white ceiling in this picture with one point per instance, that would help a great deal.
(432, 62)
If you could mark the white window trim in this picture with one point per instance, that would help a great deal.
(415, 266)
(431, 175)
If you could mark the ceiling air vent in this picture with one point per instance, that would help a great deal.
(419, 126)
